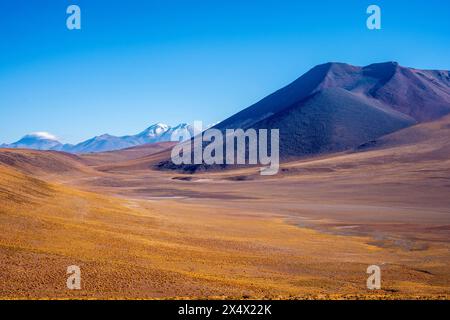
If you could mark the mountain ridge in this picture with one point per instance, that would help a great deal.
(158, 132)
(335, 107)
(401, 96)
(368, 81)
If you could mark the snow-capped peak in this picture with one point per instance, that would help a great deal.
(36, 140)
(42, 135)
(158, 132)
(156, 129)
(181, 132)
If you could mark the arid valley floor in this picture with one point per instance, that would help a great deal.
(309, 232)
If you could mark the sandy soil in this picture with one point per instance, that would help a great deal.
(309, 232)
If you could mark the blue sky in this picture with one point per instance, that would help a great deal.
(135, 63)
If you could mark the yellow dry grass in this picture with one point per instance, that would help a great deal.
(309, 233)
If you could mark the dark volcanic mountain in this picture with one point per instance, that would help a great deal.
(336, 106)
(421, 95)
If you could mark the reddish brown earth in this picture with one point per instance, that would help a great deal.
(309, 232)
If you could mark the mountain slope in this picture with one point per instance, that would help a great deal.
(158, 132)
(152, 134)
(16, 187)
(336, 107)
(118, 156)
(101, 143)
(37, 141)
(279, 100)
(428, 140)
(42, 163)
(331, 120)
(422, 94)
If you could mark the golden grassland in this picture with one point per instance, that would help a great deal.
(160, 249)
(308, 233)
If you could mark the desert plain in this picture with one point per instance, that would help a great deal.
(309, 232)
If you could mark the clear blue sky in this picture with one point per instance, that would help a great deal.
(135, 63)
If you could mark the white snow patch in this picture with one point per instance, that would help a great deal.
(43, 135)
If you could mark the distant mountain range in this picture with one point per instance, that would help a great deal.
(331, 108)
(158, 132)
